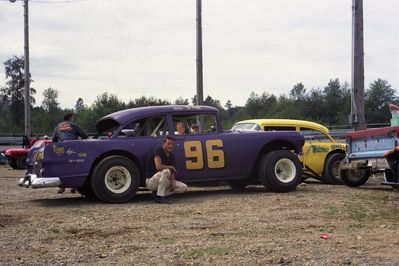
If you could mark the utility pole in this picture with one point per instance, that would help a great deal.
(200, 94)
(357, 107)
(27, 125)
(27, 72)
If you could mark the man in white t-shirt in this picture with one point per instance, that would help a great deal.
(395, 114)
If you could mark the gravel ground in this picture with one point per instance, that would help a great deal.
(206, 226)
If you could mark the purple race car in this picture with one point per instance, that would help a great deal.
(111, 166)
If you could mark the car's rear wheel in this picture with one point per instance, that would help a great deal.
(21, 162)
(355, 177)
(13, 163)
(331, 166)
(280, 171)
(115, 179)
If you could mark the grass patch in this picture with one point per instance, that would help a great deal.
(362, 217)
(391, 215)
(357, 214)
(167, 241)
(54, 230)
(184, 214)
(79, 211)
(332, 211)
(211, 251)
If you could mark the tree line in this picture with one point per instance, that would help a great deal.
(329, 105)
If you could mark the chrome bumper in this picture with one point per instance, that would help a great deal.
(31, 180)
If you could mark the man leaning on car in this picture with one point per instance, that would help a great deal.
(68, 130)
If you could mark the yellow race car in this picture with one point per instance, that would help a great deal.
(321, 153)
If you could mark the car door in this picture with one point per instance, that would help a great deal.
(206, 155)
(142, 136)
(317, 146)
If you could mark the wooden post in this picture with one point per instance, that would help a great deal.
(357, 108)
(200, 95)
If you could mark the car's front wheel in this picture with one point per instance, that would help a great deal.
(331, 166)
(280, 171)
(115, 179)
(355, 177)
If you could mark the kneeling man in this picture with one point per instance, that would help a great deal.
(161, 172)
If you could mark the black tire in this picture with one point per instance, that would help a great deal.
(330, 172)
(355, 178)
(21, 162)
(280, 171)
(13, 163)
(115, 179)
(389, 175)
(239, 183)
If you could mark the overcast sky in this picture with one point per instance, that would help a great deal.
(133, 47)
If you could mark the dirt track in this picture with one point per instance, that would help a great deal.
(211, 226)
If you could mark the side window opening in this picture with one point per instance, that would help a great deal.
(246, 127)
(279, 128)
(195, 124)
(152, 126)
(315, 135)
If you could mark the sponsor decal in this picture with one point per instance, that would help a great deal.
(58, 150)
(70, 152)
(82, 155)
(338, 146)
(317, 149)
(76, 161)
(37, 156)
(65, 127)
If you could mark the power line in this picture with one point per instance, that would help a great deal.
(49, 1)
(57, 1)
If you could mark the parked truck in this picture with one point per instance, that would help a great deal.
(367, 153)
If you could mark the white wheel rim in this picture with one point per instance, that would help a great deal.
(117, 179)
(285, 170)
(356, 175)
(335, 169)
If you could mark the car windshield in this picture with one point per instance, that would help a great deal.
(38, 144)
(246, 127)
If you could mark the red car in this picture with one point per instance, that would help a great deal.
(17, 156)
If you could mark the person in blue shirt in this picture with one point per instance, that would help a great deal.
(68, 130)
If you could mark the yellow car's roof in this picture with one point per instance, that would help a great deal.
(285, 122)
